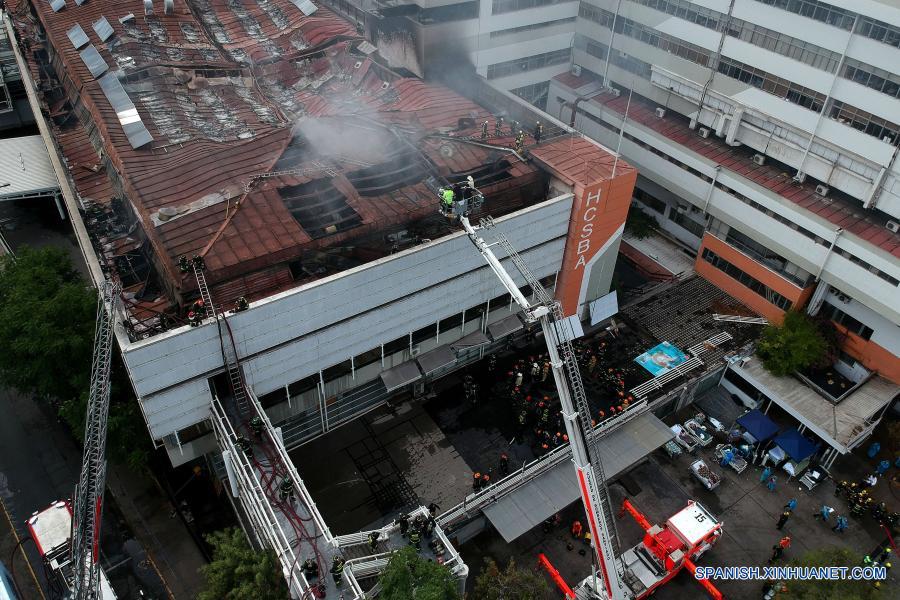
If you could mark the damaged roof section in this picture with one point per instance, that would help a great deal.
(253, 133)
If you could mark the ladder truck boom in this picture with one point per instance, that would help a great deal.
(85, 539)
(576, 413)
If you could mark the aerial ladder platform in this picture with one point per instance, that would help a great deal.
(618, 576)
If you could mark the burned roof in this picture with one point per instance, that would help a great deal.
(247, 132)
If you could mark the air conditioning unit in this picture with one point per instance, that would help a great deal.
(759, 159)
(681, 209)
(704, 132)
(893, 226)
(887, 139)
(616, 92)
(660, 113)
(822, 190)
(576, 70)
(843, 298)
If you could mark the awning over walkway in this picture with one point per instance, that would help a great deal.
(758, 425)
(841, 425)
(436, 359)
(25, 170)
(531, 504)
(476, 338)
(795, 445)
(504, 327)
(401, 375)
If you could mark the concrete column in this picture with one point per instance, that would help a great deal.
(62, 211)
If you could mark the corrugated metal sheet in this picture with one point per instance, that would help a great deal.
(94, 62)
(436, 359)
(401, 375)
(126, 112)
(77, 36)
(305, 6)
(530, 505)
(103, 29)
(25, 167)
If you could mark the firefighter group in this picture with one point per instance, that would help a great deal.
(526, 384)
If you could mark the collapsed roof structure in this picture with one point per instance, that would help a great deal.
(267, 137)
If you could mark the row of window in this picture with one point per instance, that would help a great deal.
(872, 77)
(626, 61)
(648, 35)
(769, 258)
(505, 6)
(529, 63)
(780, 43)
(535, 27)
(777, 86)
(868, 27)
(819, 11)
(738, 196)
(865, 121)
(746, 280)
(832, 312)
(451, 12)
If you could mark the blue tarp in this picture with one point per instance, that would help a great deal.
(758, 425)
(795, 445)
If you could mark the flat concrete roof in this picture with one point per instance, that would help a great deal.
(840, 424)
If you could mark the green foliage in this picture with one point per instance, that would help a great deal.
(639, 223)
(510, 584)
(408, 576)
(825, 589)
(797, 344)
(46, 324)
(238, 572)
(47, 317)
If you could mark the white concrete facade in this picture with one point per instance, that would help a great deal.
(300, 332)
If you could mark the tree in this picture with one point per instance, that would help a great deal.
(238, 572)
(639, 223)
(47, 318)
(46, 324)
(821, 589)
(510, 584)
(408, 576)
(799, 343)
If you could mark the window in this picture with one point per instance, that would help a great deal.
(535, 27)
(451, 12)
(777, 86)
(872, 77)
(273, 398)
(504, 6)
(767, 257)
(337, 371)
(303, 385)
(879, 31)
(816, 10)
(426, 333)
(841, 318)
(687, 223)
(650, 36)
(865, 122)
(451, 323)
(746, 280)
(398, 345)
(529, 63)
(650, 201)
(535, 94)
(367, 358)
